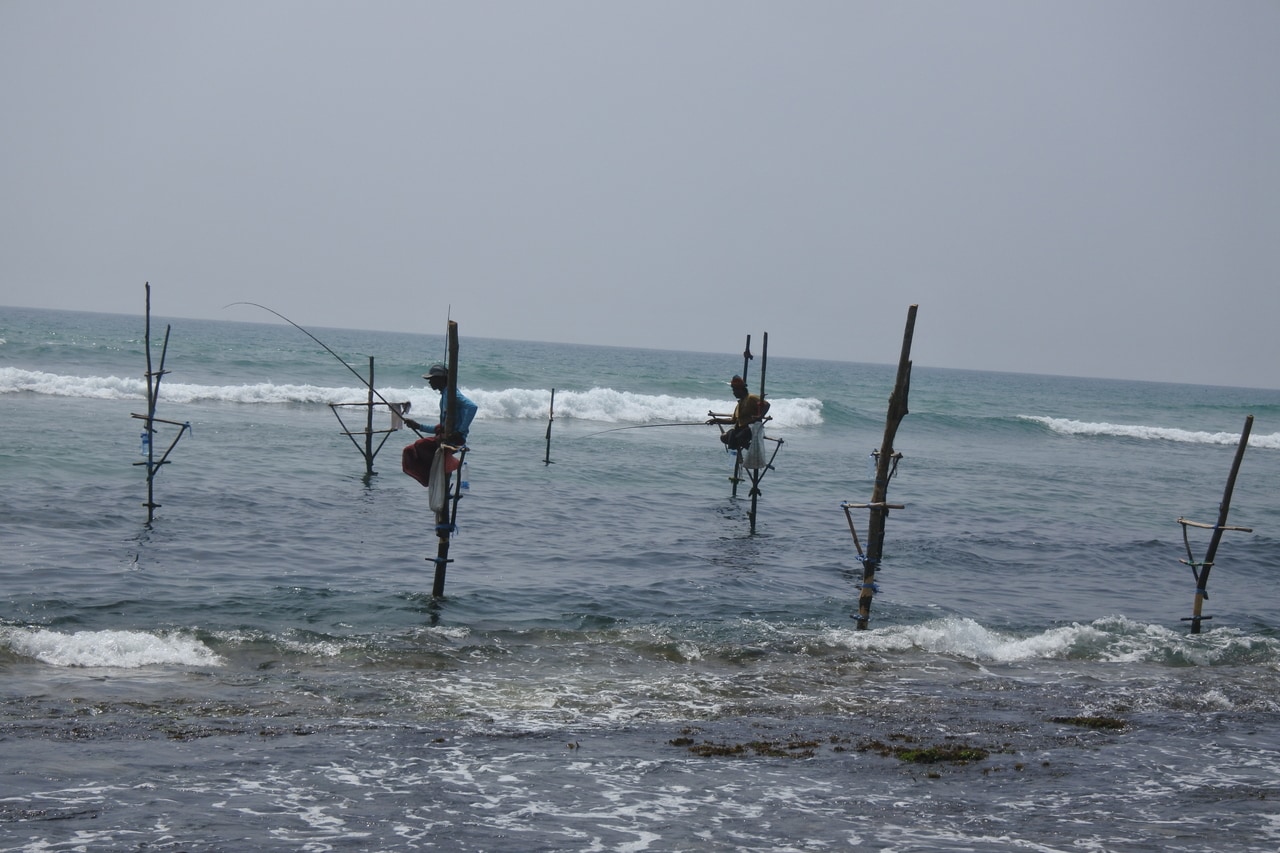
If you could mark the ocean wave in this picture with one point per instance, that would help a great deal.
(122, 649)
(1113, 639)
(1066, 426)
(602, 405)
(607, 405)
(963, 638)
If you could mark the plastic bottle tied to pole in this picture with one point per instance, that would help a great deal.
(464, 476)
(871, 464)
(145, 448)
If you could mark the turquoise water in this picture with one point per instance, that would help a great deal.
(619, 663)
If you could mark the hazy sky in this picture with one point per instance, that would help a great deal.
(1079, 188)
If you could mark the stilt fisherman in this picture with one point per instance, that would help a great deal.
(416, 461)
(437, 377)
(750, 409)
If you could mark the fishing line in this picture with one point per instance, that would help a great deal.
(646, 426)
(354, 372)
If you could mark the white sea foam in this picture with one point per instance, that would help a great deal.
(602, 405)
(126, 649)
(607, 405)
(1112, 639)
(964, 638)
(14, 380)
(451, 632)
(1066, 426)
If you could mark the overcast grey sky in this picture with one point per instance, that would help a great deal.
(1078, 188)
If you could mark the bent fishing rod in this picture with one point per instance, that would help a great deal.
(341, 360)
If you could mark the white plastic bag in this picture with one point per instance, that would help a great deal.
(438, 490)
(753, 456)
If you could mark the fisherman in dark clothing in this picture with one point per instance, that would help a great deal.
(750, 409)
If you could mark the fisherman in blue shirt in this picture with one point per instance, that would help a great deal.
(437, 377)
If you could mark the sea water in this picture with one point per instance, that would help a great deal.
(619, 662)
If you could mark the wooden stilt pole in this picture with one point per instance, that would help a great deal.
(1201, 571)
(445, 520)
(852, 529)
(756, 474)
(152, 381)
(551, 416)
(150, 419)
(737, 456)
(368, 427)
(146, 337)
(368, 449)
(878, 506)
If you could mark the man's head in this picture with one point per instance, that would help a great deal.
(437, 376)
(738, 387)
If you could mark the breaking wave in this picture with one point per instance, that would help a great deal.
(1066, 426)
(1114, 639)
(120, 649)
(604, 405)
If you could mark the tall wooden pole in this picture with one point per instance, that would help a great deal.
(1202, 579)
(368, 427)
(153, 398)
(153, 467)
(737, 456)
(551, 416)
(151, 413)
(147, 342)
(879, 507)
(756, 473)
(764, 363)
(444, 523)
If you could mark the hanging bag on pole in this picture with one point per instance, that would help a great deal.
(417, 458)
(444, 464)
(754, 455)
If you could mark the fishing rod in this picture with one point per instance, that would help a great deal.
(647, 426)
(354, 372)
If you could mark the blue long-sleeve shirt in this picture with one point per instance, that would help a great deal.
(465, 414)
